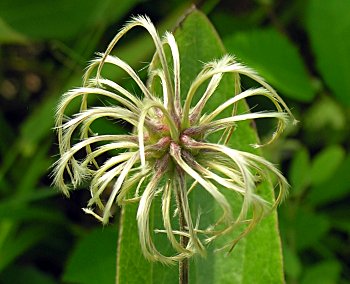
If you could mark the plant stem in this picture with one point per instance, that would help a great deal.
(183, 271)
(180, 187)
(183, 264)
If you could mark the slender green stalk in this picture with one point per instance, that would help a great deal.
(181, 188)
(183, 269)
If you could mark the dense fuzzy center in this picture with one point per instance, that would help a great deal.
(158, 141)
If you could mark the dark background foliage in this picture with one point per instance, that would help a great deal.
(301, 47)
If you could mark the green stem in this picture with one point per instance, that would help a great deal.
(183, 271)
(181, 186)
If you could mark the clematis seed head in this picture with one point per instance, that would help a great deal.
(169, 153)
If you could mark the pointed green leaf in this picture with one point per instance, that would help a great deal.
(326, 272)
(44, 19)
(333, 189)
(309, 228)
(299, 173)
(26, 275)
(276, 59)
(326, 163)
(292, 263)
(325, 114)
(14, 247)
(8, 35)
(93, 259)
(257, 258)
(329, 32)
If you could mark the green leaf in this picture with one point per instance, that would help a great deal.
(299, 173)
(45, 19)
(276, 59)
(6, 128)
(93, 259)
(325, 122)
(309, 228)
(328, 24)
(39, 165)
(16, 246)
(25, 275)
(335, 188)
(257, 258)
(326, 114)
(38, 194)
(8, 35)
(327, 272)
(292, 263)
(343, 225)
(326, 163)
(131, 264)
(36, 213)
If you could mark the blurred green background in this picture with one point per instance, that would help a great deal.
(301, 47)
